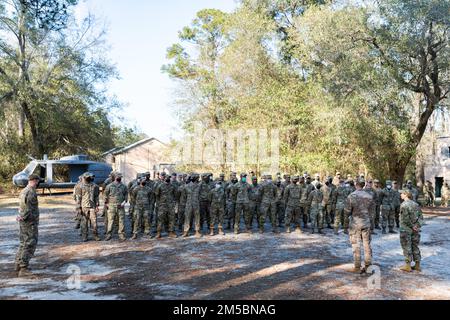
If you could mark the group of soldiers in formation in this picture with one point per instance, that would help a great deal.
(188, 202)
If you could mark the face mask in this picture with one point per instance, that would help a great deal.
(244, 180)
(218, 186)
(347, 185)
(389, 187)
(143, 184)
(119, 180)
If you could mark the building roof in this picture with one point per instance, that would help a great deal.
(120, 150)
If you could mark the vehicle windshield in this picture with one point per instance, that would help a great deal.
(30, 168)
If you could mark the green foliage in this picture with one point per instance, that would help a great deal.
(351, 87)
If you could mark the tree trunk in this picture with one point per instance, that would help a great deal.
(37, 143)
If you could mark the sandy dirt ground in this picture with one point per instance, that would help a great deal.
(246, 266)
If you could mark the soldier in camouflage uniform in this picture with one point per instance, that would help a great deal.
(328, 201)
(280, 204)
(131, 185)
(358, 207)
(241, 191)
(341, 218)
(111, 179)
(292, 196)
(205, 188)
(378, 191)
(231, 200)
(414, 191)
(160, 178)
(429, 194)
(77, 211)
(28, 220)
(370, 190)
(192, 206)
(88, 203)
(255, 201)
(304, 208)
(176, 184)
(397, 202)
(182, 203)
(411, 221)
(309, 188)
(142, 194)
(116, 196)
(315, 200)
(387, 208)
(217, 200)
(268, 192)
(165, 194)
(445, 195)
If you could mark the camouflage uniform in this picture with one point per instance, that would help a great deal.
(410, 217)
(231, 202)
(280, 205)
(309, 188)
(205, 188)
(142, 215)
(255, 203)
(268, 192)
(358, 207)
(397, 203)
(387, 209)
(133, 184)
(378, 192)
(28, 234)
(445, 195)
(181, 205)
(165, 194)
(304, 207)
(192, 207)
(116, 194)
(88, 202)
(241, 191)
(429, 194)
(341, 217)
(76, 190)
(176, 186)
(292, 196)
(217, 199)
(315, 200)
(327, 203)
(105, 209)
(414, 192)
(373, 193)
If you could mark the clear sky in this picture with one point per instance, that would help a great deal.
(139, 32)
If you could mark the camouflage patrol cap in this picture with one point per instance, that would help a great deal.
(388, 182)
(222, 175)
(174, 174)
(163, 174)
(119, 175)
(409, 182)
(338, 173)
(34, 177)
(296, 178)
(376, 181)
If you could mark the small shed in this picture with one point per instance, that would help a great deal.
(148, 155)
(437, 163)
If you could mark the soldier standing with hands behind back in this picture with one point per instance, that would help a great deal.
(88, 204)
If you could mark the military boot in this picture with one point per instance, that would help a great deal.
(25, 273)
(185, 234)
(391, 231)
(356, 269)
(288, 230)
(122, 238)
(134, 237)
(417, 267)
(198, 234)
(406, 267)
(211, 233)
(384, 231)
(158, 235)
(96, 237)
(298, 230)
(346, 231)
(108, 238)
(173, 235)
(313, 231)
(221, 231)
